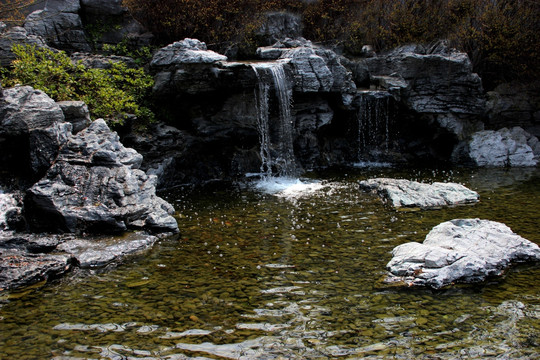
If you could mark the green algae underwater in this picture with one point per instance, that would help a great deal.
(291, 275)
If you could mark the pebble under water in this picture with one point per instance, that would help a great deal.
(294, 274)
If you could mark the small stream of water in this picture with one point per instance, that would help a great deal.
(291, 273)
(276, 138)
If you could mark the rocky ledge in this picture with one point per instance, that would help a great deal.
(83, 183)
(26, 259)
(405, 193)
(463, 250)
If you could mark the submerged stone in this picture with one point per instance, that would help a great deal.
(406, 193)
(461, 250)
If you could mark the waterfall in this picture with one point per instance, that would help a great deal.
(276, 136)
(373, 124)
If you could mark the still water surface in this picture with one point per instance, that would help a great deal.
(290, 275)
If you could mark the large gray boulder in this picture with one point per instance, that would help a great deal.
(95, 186)
(16, 35)
(406, 193)
(32, 130)
(187, 51)
(60, 25)
(505, 147)
(437, 82)
(464, 250)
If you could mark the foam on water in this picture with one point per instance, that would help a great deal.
(287, 187)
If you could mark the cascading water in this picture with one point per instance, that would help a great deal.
(276, 137)
(374, 123)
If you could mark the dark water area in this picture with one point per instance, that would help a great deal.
(292, 274)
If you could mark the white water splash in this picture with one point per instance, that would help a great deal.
(288, 188)
(7, 203)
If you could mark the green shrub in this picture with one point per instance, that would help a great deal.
(111, 93)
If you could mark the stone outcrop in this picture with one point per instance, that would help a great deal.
(505, 147)
(32, 130)
(60, 25)
(95, 186)
(26, 259)
(514, 104)
(406, 193)
(76, 113)
(464, 250)
(315, 69)
(436, 81)
(187, 51)
(278, 26)
(16, 35)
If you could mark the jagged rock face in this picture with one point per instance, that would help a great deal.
(32, 130)
(95, 186)
(436, 83)
(514, 104)
(405, 193)
(315, 69)
(505, 147)
(76, 113)
(278, 26)
(464, 250)
(60, 26)
(16, 35)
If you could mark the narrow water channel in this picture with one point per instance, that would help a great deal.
(290, 275)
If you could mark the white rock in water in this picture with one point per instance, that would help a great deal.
(505, 147)
(400, 192)
(462, 250)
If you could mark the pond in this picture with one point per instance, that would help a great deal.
(290, 275)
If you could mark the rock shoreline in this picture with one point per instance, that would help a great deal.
(81, 183)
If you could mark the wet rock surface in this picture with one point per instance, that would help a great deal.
(462, 250)
(406, 193)
(26, 259)
(91, 253)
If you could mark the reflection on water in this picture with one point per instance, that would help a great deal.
(262, 275)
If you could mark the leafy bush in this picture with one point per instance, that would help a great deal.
(111, 93)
